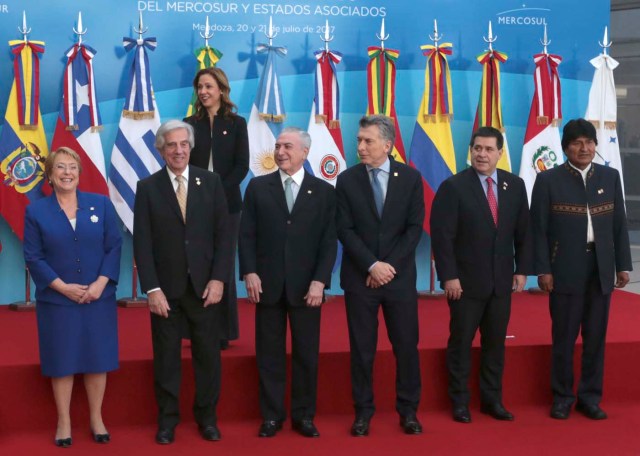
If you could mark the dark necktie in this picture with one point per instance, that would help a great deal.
(378, 197)
(493, 203)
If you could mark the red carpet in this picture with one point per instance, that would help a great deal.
(27, 414)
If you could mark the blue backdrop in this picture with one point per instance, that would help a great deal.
(574, 28)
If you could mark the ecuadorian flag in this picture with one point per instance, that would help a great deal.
(431, 149)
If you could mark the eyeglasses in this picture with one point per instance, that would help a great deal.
(72, 168)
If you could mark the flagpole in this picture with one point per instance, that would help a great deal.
(27, 305)
(134, 300)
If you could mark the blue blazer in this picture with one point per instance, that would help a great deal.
(52, 249)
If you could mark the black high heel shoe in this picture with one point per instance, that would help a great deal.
(63, 443)
(101, 438)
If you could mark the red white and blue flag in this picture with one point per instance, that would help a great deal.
(326, 156)
(78, 123)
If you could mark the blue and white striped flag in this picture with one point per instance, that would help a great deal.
(267, 115)
(134, 156)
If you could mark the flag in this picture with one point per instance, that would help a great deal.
(267, 114)
(431, 149)
(23, 145)
(207, 58)
(602, 112)
(489, 110)
(381, 91)
(78, 122)
(134, 155)
(542, 147)
(326, 157)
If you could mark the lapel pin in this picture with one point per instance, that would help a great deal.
(224, 132)
(198, 181)
(92, 208)
(395, 174)
(309, 192)
(504, 185)
(600, 191)
(94, 218)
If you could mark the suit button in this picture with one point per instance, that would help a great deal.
(77, 260)
(78, 270)
(75, 238)
(288, 222)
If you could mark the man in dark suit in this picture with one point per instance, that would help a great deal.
(582, 252)
(380, 216)
(479, 226)
(287, 251)
(181, 250)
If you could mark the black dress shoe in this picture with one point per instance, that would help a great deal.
(305, 428)
(560, 411)
(592, 411)
(360, 427)
(410, 425)
(164, 436)
(497, 411)
(210, 432)
(269, 428)
(461, 414)
(101, 438)
(63, 443)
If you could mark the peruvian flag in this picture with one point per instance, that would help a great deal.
(326, 156)
(542, 147)
(79, 120)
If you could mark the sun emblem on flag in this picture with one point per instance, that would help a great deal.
(329, 167)
(23, 168)
(264, 162)
(543, 159)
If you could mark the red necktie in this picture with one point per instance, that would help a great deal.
(491, 197)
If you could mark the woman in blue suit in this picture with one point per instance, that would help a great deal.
(72, 249)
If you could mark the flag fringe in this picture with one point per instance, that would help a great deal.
(71, 128)
(96, 129)
(433, 118)
(556, 122)
(321, 118)
(276, 118)
(334, 123)
(542, 120)
(138, 115)
(28, 127)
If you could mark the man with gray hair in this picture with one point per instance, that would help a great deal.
(181, 249)
(287, 250)
(379, 222)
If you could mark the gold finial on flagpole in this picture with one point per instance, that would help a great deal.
(24, 30)
(327, 36)
(545, 41)
(270, 34)
(382, 36)
(436, 36)
(80, 30)
(490, 39)
(207, 36)
(141, 28)
(605, 44)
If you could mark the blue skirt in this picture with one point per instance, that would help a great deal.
(76, 339)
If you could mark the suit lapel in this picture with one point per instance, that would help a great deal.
(478, 191)
(365, 183)
(193, 193)
(277, 190)
(395, 177)
(166, 187)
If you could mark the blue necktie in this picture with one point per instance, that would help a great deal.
(288, 193)
(378, 196)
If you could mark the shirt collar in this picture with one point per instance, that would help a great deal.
(172, 175)
(493, 176)
(583, 172)
(386, 166)
(297, 177)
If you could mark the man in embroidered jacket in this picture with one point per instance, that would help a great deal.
(581, 253)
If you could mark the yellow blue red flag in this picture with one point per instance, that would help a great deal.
(207, 57)
(23, 144)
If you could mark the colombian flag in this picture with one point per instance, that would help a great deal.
(23, 145)
(431, 147)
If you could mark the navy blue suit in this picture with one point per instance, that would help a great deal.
(53, 249)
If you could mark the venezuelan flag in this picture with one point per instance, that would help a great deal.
(431, 149)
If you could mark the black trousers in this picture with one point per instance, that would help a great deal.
(205, 350)
(271, 355)
(401, 318)
(571, 314)
(467, 315)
